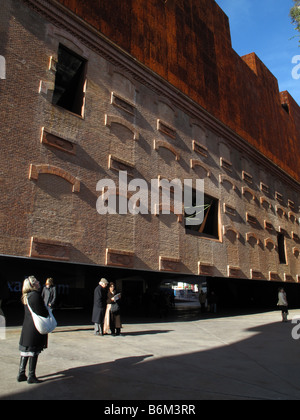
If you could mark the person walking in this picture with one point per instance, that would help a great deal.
(283, 304)
(32, 343)
(112, 320)
(99, 308)
(49, 293)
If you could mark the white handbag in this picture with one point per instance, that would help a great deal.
(43, 325)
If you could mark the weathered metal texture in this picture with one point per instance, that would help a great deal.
(188, 43)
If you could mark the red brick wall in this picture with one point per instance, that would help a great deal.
(188, 43)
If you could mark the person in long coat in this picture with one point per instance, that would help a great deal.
(112, 320)
(99, 308)
(32, 343)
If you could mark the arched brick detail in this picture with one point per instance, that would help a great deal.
(166, 145)
(224, 178)
(195, 162)
(246, 190)
(250, 235)
(109, 119)
(36, 170)
(229, 228)
(269, 241)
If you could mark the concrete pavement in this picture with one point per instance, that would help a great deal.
(231, 358)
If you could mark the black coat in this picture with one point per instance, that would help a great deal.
(99, 309)
(49, 296)
(31, 340)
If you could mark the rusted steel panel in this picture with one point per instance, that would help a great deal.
(188, 43)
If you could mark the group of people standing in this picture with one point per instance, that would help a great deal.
(106, 310)
(208, 302)
(106, 317)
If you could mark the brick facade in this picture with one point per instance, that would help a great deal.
(159, 117)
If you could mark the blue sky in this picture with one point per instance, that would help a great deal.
(264, 27)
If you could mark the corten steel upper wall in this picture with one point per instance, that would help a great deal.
(188, 43)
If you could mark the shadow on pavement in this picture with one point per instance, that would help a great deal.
(264, 366)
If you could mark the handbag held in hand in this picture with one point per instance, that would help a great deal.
(115, 308)
(43, 325)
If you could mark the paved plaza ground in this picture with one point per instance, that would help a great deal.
(183, 358)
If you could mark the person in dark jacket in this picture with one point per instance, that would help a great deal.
(112, 320)
(49, 293)
(32, 343)
(99, 309)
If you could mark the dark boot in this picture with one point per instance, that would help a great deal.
(101, 329)
(97, 329)
(22, 370)
(118, 331)
(112, 327)
(32, 379)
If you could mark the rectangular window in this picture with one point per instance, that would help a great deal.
(69, 81)
(281, 248)
(210, 226)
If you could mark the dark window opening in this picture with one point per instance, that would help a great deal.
(286, 108)
(209, 227)
(69, 81)
(281, 248)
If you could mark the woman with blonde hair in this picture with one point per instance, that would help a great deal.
(32, 343)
